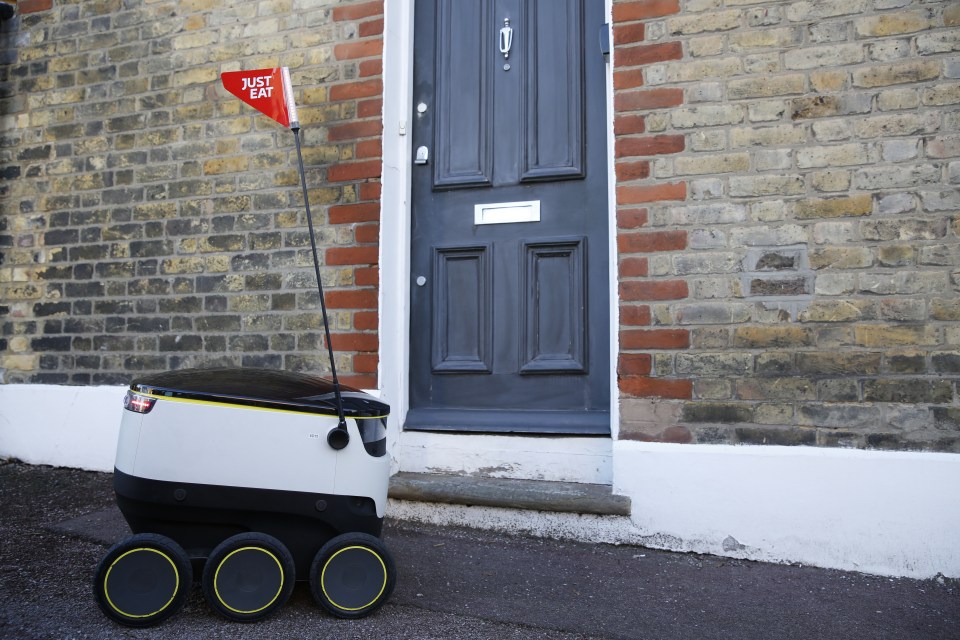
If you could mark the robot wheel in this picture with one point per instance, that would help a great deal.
(352, 575)
(143, 580)
(248, 577)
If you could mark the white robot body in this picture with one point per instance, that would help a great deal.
(206, 454)
(210, 443)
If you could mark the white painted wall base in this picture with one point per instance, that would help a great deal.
(889, 513)
(61, 426)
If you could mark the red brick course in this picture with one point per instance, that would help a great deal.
(646, 387)
(360, 137)
(33, 6)
(360, 212)
(649, 145)
(350, 12)
(646, 99)
(650, 241)
(634, 153)
(651, 193)
(643, 9)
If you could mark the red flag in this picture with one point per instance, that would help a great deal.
(267, 90)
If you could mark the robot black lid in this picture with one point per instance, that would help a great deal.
(263, 388)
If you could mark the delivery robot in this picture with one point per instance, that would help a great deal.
(246, 476)
(253, 478)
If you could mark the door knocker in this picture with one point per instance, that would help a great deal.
(506, 42)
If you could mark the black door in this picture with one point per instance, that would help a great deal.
(509, 299)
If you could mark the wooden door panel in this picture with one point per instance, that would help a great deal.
(463, 106)
(553, 91)
(462, 327)
(554, 308)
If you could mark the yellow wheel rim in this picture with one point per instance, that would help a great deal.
(323, 578)
(216, 580)
(106, 582)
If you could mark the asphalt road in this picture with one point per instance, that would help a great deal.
(55, 524)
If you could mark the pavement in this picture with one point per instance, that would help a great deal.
(55, 524)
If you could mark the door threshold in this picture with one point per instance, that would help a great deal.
(506, 493)
(584, 460)
(527, 422)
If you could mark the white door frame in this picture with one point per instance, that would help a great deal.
(564, 458)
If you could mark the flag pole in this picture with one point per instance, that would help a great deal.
(337, 438)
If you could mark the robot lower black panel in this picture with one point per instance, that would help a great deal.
(199, 516)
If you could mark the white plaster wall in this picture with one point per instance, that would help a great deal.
(889, 513)
(61, 426)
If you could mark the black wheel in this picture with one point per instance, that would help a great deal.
(248, 577)
(143, 580)
(353, 575)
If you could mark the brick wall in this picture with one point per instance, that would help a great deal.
(150, 221)
(787, 205)
(788, 183)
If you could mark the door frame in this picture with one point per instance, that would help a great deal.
(395, 212)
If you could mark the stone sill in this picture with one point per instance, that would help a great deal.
(536, 495)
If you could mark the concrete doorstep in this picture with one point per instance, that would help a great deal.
(506, 493)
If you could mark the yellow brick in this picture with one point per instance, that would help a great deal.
(701, 69)
(271, 45)
(192, 6)
(224, 147)
(776, 136)
(195, 112)
(895, 99)
(24, 292)
(894, 336)
(187, 246)
(766, 87)
(182, 265)
(195, 76)
(20, 362)
(893, 24)
(832, 311)
(824, 81)
(716, 21)
(906, 72)
(249, 302)
(951, 15)
(217, 264)
(287, 219)
(227, 51)
(261, 27)
(194, 22)
(268, 7)
(219, 166)
(861, 205)
(941, 309)
(713, 163)
(831, 180)
(194, 40)
(763, 38)
(709, 46)
(942, 94)
(155, 211)
(760, 337)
